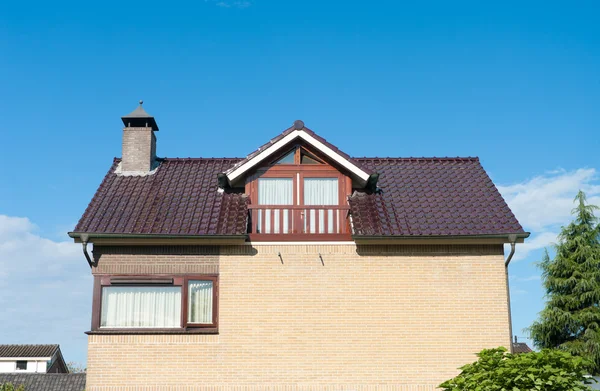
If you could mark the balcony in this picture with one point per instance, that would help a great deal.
(299, 223)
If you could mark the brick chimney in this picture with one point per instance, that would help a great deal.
(139, 142)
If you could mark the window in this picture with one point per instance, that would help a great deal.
(298, 155)
(287, 159)
(275, 191)
(141, 307)
(200, 302)
(173, 302)
(320, 191)
(21, 365)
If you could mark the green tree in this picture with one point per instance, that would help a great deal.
(570, 320)
(496, 370)
(75, 367)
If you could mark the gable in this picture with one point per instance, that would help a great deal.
(278, 145)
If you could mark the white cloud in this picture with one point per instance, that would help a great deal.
(517, 291)
(230, 4)
(537, 241)
(543, 204)
(534, 277)
(45, 289)
(547, 200)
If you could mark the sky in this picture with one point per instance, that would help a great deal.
(515, 83)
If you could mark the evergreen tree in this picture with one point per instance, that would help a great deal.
(570, 320)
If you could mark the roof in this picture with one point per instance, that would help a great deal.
(419, 197)
(180, 198)
(431, 197)
(46, 381)
(28, 350)
(298, 130)
(521, 347)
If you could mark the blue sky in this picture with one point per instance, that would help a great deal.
(515, 83)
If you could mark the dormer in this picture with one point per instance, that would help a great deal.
(298, 185)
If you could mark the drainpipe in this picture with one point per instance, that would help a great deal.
(84, 243)
(512, 240)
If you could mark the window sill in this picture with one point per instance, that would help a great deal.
(153, 331)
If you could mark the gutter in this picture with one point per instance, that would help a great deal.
(512, 240)
(516, 238)
(86, 238)
(84, 243)
(79, 235)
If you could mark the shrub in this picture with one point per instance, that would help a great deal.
(11, 387)
(496, 370)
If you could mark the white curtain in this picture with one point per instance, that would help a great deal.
(200, 303)
(321, 191)
(275, 191)
(141, 307)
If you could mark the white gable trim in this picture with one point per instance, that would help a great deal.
(261, 156)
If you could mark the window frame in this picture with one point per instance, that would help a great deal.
(17, 365)
(297, 150)
(155, 280)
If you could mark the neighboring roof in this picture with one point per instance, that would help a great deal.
(46, 381)
(28, 350)
(298, 130)
(430, 197)
(180, 198)
(521, 347)
(419, 197)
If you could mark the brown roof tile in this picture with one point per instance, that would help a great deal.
(521, 347)
(420, 197)
(180, 198)
(431, 196)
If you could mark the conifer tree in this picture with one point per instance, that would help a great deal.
(570, 320)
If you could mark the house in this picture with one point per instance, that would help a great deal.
(45, 381)
(520, 347)
(32, 358)
(297, 267)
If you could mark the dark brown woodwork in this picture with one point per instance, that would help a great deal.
(299, 215)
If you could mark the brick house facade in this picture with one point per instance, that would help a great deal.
(295, 268)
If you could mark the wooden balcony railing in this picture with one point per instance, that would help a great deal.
(286, 222)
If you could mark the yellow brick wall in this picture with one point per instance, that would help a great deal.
(368, 318)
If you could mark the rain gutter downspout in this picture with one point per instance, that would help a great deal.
(84, 243)
(511, 239)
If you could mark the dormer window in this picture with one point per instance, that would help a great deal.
(299, 193)
(298, 186)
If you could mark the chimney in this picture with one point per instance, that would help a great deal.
(139, 142)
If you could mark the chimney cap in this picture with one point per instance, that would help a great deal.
(139, 118)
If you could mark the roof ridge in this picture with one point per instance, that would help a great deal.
(29, 344)
(118, 159)
(461, 158)
(413, 158)
(41, 374)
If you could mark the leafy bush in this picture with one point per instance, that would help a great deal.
(496, 370)
(75, 367)
(11, 387)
